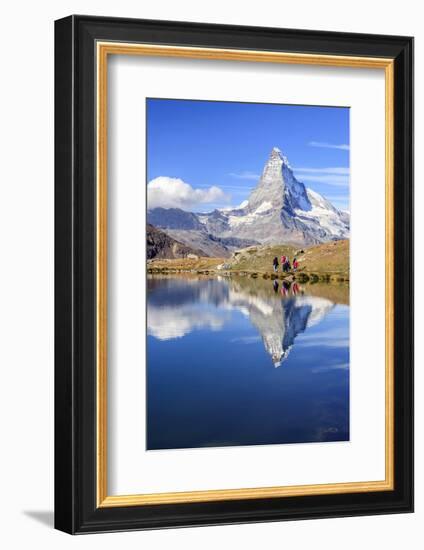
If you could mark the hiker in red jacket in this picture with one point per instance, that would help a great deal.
(295, 264)
(283, 261)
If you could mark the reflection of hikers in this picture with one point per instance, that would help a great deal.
(283, 261)
(275, 285)
(275, 264)
(295, 264)
(285, 288)
(295, 288)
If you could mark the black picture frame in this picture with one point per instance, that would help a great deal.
(76, 510)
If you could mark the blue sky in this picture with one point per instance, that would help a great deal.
(217, 150)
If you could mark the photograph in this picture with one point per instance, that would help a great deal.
(248, 264)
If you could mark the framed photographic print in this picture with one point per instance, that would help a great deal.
(234, 274)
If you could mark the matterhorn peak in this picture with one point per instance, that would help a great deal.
(277, 153)
(273, 166)
(278, 186)
(278, 210)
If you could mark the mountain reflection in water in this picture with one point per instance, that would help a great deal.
(210, 345)
(279, 311)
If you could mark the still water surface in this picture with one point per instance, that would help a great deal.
(246, 362)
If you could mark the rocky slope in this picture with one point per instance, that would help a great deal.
(187, 228)
(161, 245)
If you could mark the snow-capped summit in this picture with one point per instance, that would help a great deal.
(279, 210)
(278, 185)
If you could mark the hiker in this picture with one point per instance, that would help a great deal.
(283, 261)
(295, 264)
(275, 264)
(287, 265)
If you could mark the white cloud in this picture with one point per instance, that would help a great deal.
(339, 366)
(176, 193)
(331, 170)
(339, 181)
(246, 339)
(333, 175)
(326, 145)
(167, 323)
(245, 175)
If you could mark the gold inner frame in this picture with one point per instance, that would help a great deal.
(104, 49)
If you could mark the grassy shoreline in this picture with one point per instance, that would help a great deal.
(327, 262)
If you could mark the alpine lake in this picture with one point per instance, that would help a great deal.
(240, 361)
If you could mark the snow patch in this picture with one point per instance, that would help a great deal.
(264, 207)
(251, 217)
(231, 208)
(325, 215)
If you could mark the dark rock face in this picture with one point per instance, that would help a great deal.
(161, 245)
(195, 238)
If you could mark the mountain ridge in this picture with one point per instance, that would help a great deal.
(280, 209)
